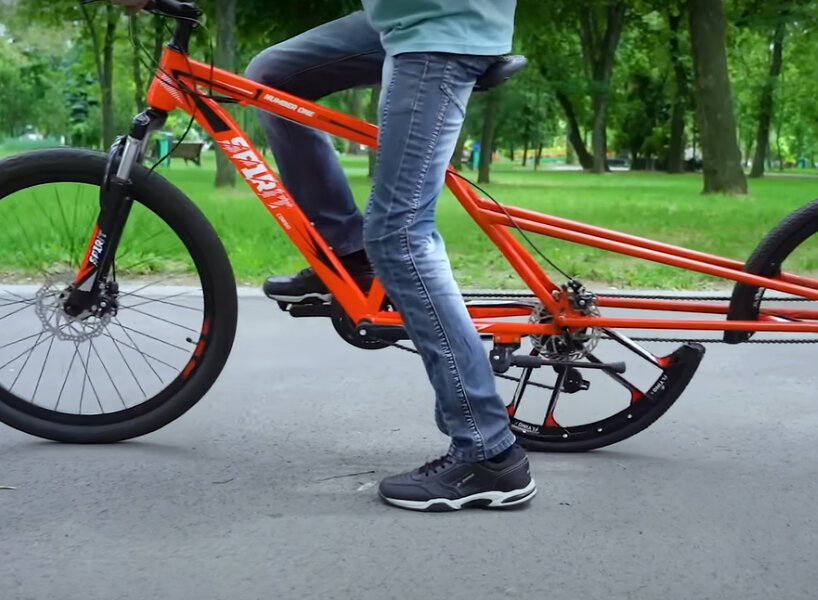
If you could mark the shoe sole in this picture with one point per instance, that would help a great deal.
(493, 500)
(300, 299)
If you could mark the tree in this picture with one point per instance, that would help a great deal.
(601, 24)
(104, 61)
(676, 151)
(225, 59)
(714, 108)
(765, 108)
(490, 119)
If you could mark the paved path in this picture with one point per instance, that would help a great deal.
(265, 490)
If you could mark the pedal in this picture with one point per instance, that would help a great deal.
(310, 308)
(384, 333)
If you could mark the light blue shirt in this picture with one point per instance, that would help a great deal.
(479, 27)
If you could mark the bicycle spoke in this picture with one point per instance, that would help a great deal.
(25, 363)
(135, 349)
(30, 245)
(164, 300)
(128, 335)
(125, 360)
(88, 378)
(147, 285)
(113, 383)
(632, 346)
(169, 322)
(22, 339)
(69, 233)
(555, 394)
(28, 302)
(23, 298)
(143, 243)
(14, 312)
(152, 337)
(4, 365)
(617, 377)
(67, 375)
(45, 362)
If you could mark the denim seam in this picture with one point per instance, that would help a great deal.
(325, 64)
(446, 346)
(454, 370)
(383, 119)
(416, 195)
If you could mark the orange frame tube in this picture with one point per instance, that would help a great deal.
(183, 83)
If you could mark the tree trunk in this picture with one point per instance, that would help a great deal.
(90, 19)
(356, 109)
(457, 156)
(538, 156)
(372, 117)
(599, 55)
(748, 151)
(107, 81)
(158, 37)
(139, 83)
(525, 152)
(676, 151)
(574, 135)
(778, 148)
(714, 105)
(599, 140)
(765, 105)
(570, 153)
(225, 59)
(490, 120)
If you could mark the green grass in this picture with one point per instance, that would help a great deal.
(666, 208)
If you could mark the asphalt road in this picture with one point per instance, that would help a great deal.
(266, 490)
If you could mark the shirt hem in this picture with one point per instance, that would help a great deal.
(448, 48)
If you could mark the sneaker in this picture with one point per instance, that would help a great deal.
(446, 484)
(306, 286)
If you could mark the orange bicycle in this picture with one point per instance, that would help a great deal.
(123, 338)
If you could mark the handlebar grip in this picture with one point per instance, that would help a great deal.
(175, 8)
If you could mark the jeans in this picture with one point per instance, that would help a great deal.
(421, 111)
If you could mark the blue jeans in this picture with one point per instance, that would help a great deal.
(421, 111)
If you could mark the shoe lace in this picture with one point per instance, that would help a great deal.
(432, 467)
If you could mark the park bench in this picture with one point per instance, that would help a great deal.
(188, 151)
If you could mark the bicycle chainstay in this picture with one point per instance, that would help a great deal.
(518, 296)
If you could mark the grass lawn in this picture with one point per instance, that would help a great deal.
(662, 207)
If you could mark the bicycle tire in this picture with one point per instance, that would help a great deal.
(213, 268)
(643, 412)
(766, 260)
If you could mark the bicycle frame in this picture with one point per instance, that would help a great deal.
(180, 83)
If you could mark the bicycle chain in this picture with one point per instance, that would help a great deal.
(503, 296)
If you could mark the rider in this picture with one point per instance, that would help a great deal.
(427, 55)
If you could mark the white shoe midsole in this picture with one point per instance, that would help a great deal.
(495, 497)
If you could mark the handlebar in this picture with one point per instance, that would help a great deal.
(175, 9)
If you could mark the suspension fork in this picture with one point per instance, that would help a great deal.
(114, 207)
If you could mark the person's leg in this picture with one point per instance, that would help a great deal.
(421, 113)
(339, 55)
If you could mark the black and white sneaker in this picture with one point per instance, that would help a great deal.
(305, 286)
(446, 484)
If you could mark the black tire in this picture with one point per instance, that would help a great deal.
(767, 260)
(218, 291)
(677, 372)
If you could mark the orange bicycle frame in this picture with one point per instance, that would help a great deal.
(183, 83)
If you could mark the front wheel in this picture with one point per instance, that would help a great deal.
(163, 328)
